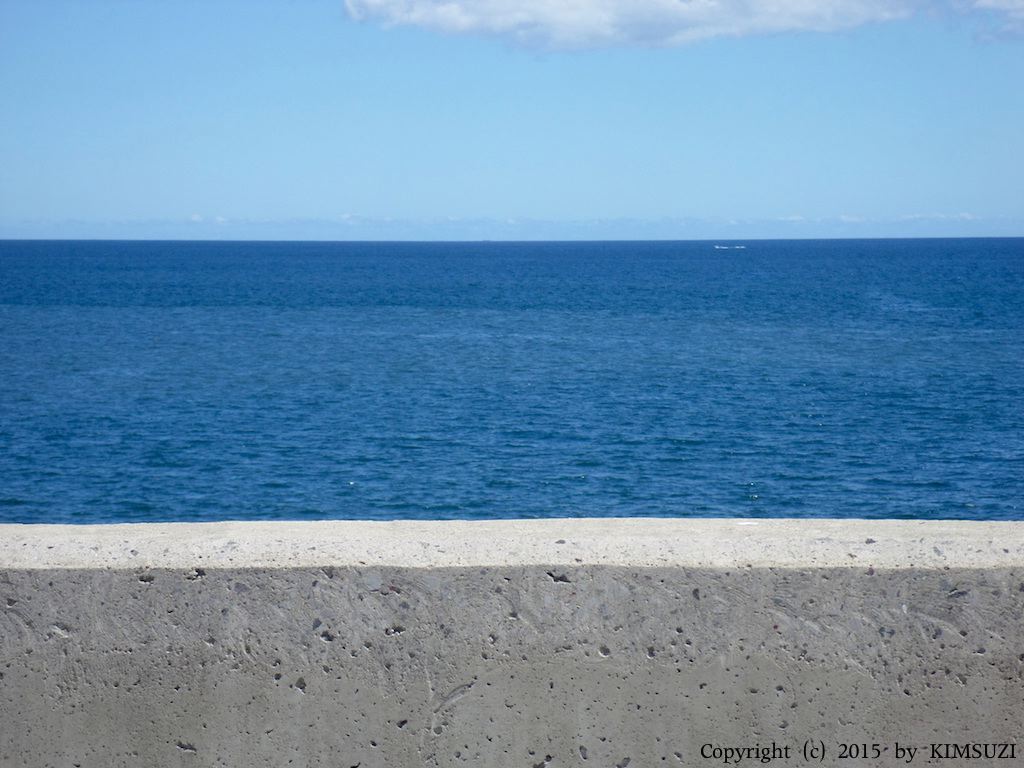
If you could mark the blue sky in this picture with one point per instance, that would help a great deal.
(396, 119)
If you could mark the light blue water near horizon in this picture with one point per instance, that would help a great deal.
(146, 381)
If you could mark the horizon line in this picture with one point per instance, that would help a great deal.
(499, 240)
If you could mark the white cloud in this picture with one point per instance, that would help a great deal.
(1011, 10)
(962, 216)
(1012, 7)
(594, 23)
(587, 23)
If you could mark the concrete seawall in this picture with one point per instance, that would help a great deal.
(538, 644)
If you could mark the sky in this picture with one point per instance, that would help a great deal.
(511, 119)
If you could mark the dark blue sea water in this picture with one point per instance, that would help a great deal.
(203, 381)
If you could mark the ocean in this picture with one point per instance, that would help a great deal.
(197, 381)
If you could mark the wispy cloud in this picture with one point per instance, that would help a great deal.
(962, 216)
(1012, 7)
(356, 227)
(597, 23)
(1011, 11)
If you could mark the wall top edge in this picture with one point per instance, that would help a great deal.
(570, 542)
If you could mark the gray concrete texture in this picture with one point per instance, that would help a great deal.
(532, 644)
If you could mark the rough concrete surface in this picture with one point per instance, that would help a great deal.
(533, 644)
